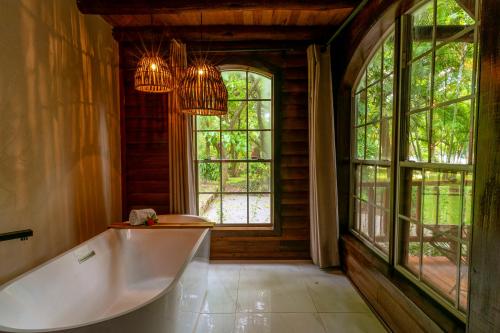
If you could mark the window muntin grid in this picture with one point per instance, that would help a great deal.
(373, 135)
(239, 190)
(436, 169)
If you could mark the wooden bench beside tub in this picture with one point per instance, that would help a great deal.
(169, 222)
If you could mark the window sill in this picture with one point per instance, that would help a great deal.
(245, 227)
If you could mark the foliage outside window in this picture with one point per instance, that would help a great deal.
(436, 141)
(234, 153)
(436, 170)
(373, 123)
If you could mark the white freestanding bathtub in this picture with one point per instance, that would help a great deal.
(122, 280)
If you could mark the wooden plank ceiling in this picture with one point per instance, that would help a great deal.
(225, 20)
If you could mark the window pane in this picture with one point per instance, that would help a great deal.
(207, 122)
(259, 115)
(236, 117)
(453, 73)
(357, 178)
(360, 143)
(260, 143)
(234, 209)
(411, 246)
(374, 103)
(418, 142)
(234, 177)
(439, 265)
(368, 183)
(430, 198)
(372, 141)
(451, 133)
(420, 83)
(259, 87)
(234, 145)
(260, 208)
(259, 177)
(464, 277)
(208, 177)
(383, 187)
(382, 220)
(374, 69)
(236, 84)
(388, 93)
(423, 20)
(360, 105)
(389, 54)
(467, 209)
(366, 220)
(450, 201)
(449, 12)
(416, 194)
(209, 207)
(362, 82)
(357, 215)
(208, 145)
(386, 139)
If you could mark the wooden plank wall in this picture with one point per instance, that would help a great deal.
(145, 149)
(144, 142)
(484, 313)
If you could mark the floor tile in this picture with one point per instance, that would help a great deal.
(215, 323)
(278, 323)
(331, 291)
(351, 323)
(273, 288)
(223, 288)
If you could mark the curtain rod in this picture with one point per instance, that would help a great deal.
(347, 21)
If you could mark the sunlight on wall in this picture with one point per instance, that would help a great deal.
(59, 129)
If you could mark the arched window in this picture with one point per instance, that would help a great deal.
(234, 153)
(372, 153)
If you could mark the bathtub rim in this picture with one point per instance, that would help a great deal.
(171, 285)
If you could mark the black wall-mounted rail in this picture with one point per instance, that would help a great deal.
(21, 234)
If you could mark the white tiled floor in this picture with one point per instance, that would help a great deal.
(290, 297)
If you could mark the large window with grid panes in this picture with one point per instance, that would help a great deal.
(234, 153)
(413, 148)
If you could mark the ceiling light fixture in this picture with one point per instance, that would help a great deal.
(202, 90)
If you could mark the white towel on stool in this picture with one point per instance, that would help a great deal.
(139, 216)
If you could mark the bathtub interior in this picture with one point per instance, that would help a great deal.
(129, 269)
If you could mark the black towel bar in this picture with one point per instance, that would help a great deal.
(21, 234)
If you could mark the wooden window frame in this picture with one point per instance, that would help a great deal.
(256, 228)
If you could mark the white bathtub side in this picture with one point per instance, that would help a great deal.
(130, 269)
(175, 311)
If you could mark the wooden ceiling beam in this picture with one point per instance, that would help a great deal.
(224, 33)
(131, 7)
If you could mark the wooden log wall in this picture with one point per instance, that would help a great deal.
(144, 142)
(484, 305)
(145, 166)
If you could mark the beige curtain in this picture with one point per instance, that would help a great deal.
(322, 167)
(180, 140)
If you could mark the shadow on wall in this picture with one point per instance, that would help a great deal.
(59, 129)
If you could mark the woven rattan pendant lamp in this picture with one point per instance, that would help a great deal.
(202, 90)
(152, 73)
